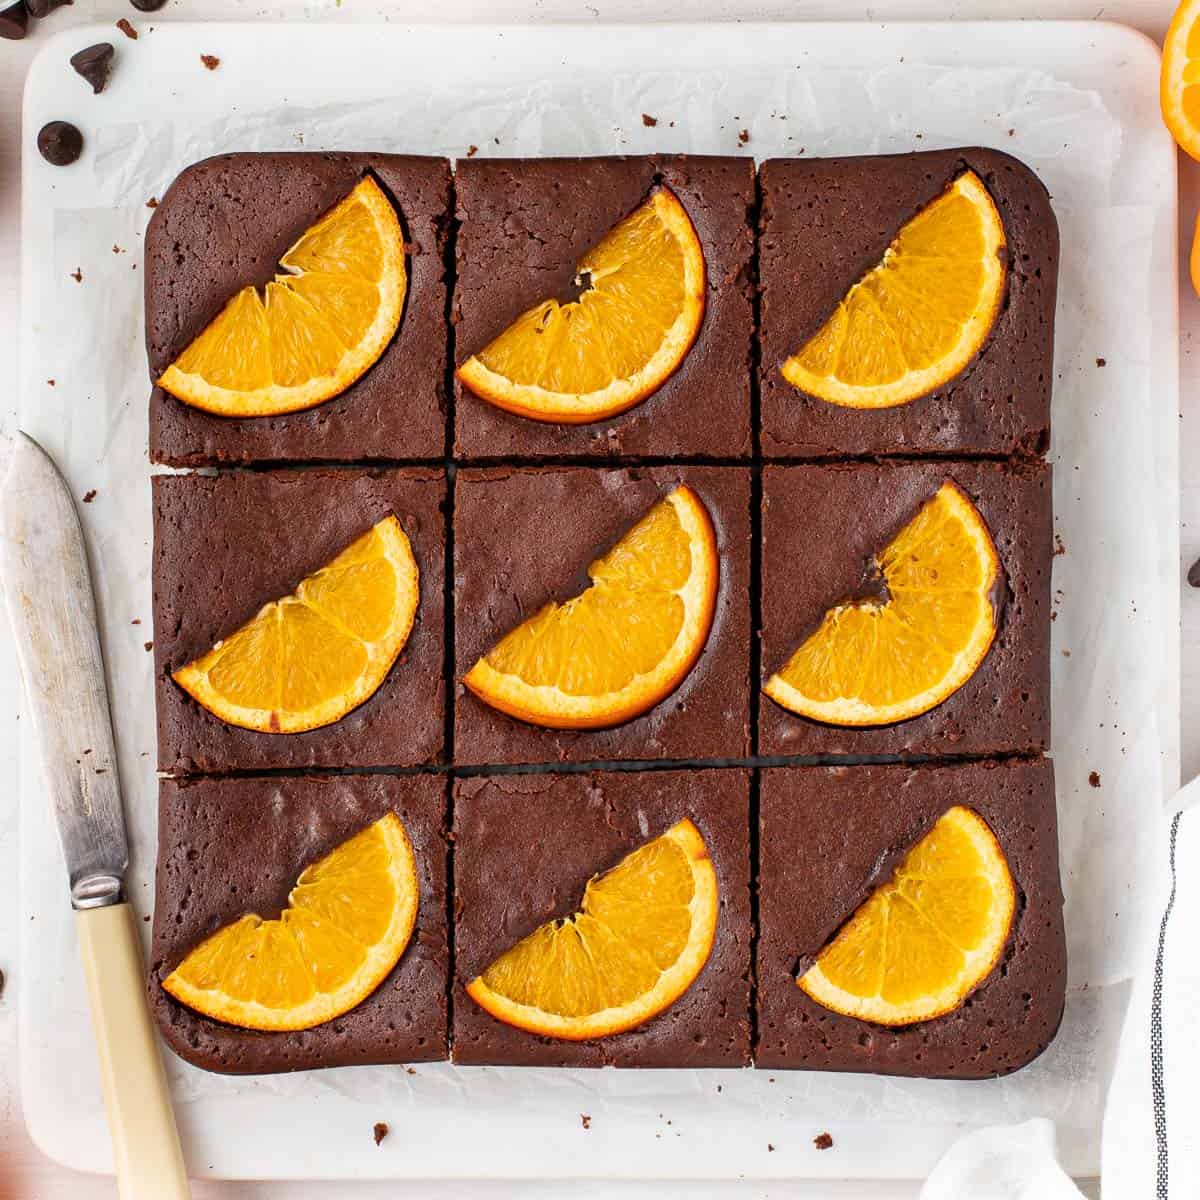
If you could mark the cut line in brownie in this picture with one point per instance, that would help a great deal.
(223, 224)
(822, 524)
(823, 224)
(525, 846)
(525, 223)
(828, 836)
(232, 846)
(523, 537)
(226, 545)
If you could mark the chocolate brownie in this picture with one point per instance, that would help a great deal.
(828, 837)
(823, 525)
(524, 226)
(525, 537)
(525, 847)
(226, 545)
(232, 846)
(223, 224)
(823, 224)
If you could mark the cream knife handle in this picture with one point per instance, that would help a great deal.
(145, 1142)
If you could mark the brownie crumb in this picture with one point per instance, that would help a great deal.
(14, 22)
(1012, 132)
(148, 646)
(136, 621)
(126, 28)
(152, 203)
(89, 496)
(1094, 778)
(743, 136)
(50, 382)
(585, 1120)
(1060, 547)
(1102, 362)
(1, 983)
(823, 1141)
(77, 274)
(472, 151)
(380, 1131)
(210, 61)
(146, 918)
(649, 121)
(770, 1148)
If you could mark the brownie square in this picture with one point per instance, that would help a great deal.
(226, 545)
(821, 528)
(823, 224)
(223, 224)
(525, 847)
(525, 537)
(232, 846)
(524, 226)
(828, 836)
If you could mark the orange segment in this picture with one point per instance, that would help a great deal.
(639, 313)
(925, 940)
(873, 662)
(348, 920)
(317, 327)
(637, 942)
(914, 321)
(623, 644)
(309, 658)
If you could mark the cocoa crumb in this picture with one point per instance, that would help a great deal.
(380, 1131)
(1060, 547)
(649, 121)
(50, 382)
(472, 151)
(128, 30)
(823, 1141)
(585, 1120)
(152, 203)
(1102, 362)
(148, 646)
(770, 1148)
(89, 496)
(1011, 132)
(210, 61)
(1094, 778)
(146, 918)
(77, 274)
(743, 136)
(136, 621)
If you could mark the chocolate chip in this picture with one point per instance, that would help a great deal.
(14, 21)
(211, 61)
(95, 63)
(60, 143)
(1194, 574)
(147, 5)
(379, 1132)
(43, 8)
(128, 30)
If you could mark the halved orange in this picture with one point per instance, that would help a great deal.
(875, 662)
(914, 321)
(1179, 80)
(638, 315)
(640, 937)
(624, 643)
(309, 658)
(317, 327)
(926, 939)
(347, 922)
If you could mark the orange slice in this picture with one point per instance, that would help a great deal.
(317, 327)
(914, 321)
(640, 937)
(874, 662)
(924, 941)
(347, 922)
(624, 643)
(309, 658)
(1179, 80)
(638, 315)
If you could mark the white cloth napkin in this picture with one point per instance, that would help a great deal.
(1151, 1141)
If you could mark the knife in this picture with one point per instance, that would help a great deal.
(53, 615)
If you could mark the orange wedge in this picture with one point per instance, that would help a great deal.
(925, 940)
(623, 644)
(1179, 80)
(914, 321)
(317, 327)
(637, 942)
(874, 662)
(638, 315)
(347, 922)
(309, 658)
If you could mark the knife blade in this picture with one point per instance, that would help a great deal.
(53, 612)
(49, 593)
